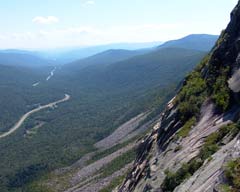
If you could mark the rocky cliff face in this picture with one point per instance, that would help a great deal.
(189, 149)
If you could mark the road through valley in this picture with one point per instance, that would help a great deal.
(26, 115)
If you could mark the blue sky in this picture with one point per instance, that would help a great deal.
(65, 23)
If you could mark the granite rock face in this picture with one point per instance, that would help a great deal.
(161, 150)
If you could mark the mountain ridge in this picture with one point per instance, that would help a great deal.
(22, 59)
(201, 42)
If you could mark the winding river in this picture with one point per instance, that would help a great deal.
(26, 115)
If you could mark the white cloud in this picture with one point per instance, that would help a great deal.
(90, 35)
(2, 37)
(89, 3)
(45, 20)
(68, 32)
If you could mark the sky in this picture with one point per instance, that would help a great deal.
(44, 24)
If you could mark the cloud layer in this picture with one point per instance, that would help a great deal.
(89, 35)
(90, 3)
(45, 20)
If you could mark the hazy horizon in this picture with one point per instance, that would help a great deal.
(117, 44)
(46, 24)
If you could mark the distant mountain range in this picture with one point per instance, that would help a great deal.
(66, 55)
(22, 58)
(121, 51)
(203, 42)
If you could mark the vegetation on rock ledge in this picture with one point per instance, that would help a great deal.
(232, 173)
(211, 146)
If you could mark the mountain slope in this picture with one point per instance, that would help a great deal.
(201, 42)
(106, 58)
(140, 72)
(22, 59)
(195, 144)
(163, 63)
